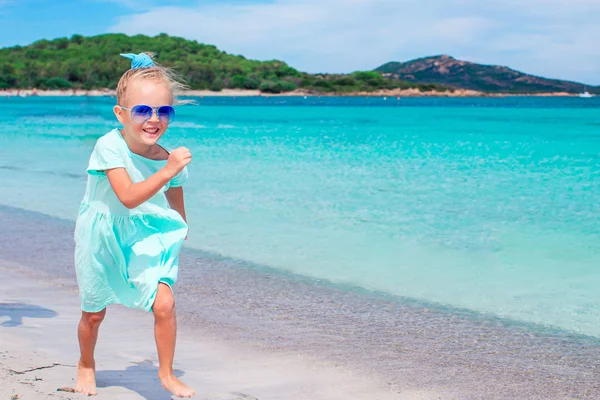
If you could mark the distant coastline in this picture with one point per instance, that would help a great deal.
(256, 93)
(77, 63)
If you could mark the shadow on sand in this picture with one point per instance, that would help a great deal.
(17, 311)
(142, 378)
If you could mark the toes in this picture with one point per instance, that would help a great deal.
(87, 391)
(186, 394)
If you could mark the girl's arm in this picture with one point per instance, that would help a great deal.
(175, 198)
(133, 194)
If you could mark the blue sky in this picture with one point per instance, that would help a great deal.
(551, 38)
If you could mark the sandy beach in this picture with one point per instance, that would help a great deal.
(39, 352)
(254, 93)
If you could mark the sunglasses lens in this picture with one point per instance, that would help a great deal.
(141, 113)
(166, 114)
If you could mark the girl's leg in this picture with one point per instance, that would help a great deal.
(165, 332)
(88, 335)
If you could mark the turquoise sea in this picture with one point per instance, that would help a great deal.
(486, 205)
(450, 246)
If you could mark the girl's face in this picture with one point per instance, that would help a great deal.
(150, 93)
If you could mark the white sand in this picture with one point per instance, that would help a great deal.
(299, 92)
(38, 329)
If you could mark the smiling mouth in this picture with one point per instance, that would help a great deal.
(151, 131)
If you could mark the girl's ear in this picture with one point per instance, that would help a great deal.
(118, 113)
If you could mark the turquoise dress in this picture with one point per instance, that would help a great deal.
(121, 254)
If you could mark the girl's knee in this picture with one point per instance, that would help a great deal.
(164, 304)
(93, 319)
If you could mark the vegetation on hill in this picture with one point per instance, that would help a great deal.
(447, 70)
(93, 62)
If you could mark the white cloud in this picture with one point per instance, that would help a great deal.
(547, 37)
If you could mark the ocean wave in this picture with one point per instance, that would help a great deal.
(67, 120)
(188, 125)
(36, 172)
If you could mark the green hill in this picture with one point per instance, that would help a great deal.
(94, 63)
(449, 71)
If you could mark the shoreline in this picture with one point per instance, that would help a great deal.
(295, 93)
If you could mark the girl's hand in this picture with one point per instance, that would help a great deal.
(177, 161)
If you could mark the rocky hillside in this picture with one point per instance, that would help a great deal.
(449, 71)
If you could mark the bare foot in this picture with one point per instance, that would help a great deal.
(175, 386)
(86, 379)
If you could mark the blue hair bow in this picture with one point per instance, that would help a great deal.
(141, 60)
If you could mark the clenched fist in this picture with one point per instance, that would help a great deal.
(178, 159)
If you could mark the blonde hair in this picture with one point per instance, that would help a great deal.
(156, 73)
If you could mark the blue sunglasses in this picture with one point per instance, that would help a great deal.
(142, 113)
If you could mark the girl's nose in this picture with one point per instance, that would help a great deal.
(154, 116)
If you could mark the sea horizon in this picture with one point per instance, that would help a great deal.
(234, 93)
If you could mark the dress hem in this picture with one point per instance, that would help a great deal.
(152, 299)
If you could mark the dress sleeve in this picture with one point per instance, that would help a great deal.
(180, 178)
(105, 157)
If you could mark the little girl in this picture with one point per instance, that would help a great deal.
(131, 223)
